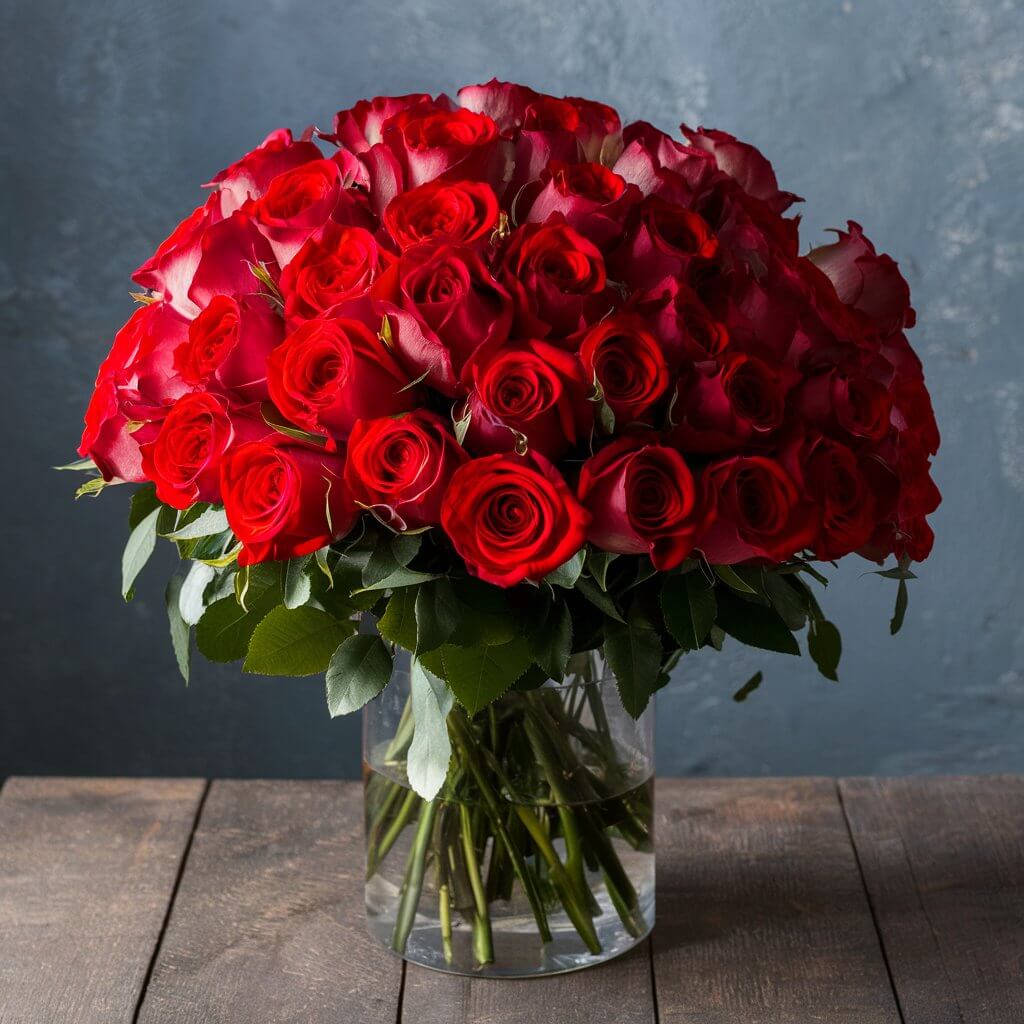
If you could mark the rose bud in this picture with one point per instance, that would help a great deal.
(532, 393)
(449, 288)
(184, 457)
(557, 278)
(460, 211)
(399, 467)
(336, 263)
(642, 499)
(624, 358)
(726, 404)
(850, 403)
(663, 240)
(284, 500)
(359, 127)
(684, 326)
(759, 512)
(228, 344)
(593, 199)
(331, 372)
(512, 518)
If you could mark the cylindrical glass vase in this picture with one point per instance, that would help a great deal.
(537, 855)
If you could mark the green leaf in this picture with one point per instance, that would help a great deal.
(754, 624)
(788, 599)
(437, 615)
(900, 611)
(568, 572)
(298, 588)
(178, 626)
(480, 615)
(597, 565)
(79, 466)
(212, 522)
(431, 749)
(387, 565)
(93, 487)
(551, 640)
(278, 423)
(825, 646)
(359, 669)
(634, 654)
(479, 675)
(398, 623)
(598, 598)
(141, 542)
(223, 632)
(688, 606)
(320, 557)
(295, 642)
(461, 425)
(144, 500)
(731, 578)
(748, 687)
(190, 602)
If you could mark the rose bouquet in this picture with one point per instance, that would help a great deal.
(532, 404)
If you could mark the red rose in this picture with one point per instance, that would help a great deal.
(759, 512)
(169, 270)
(643, 499)
(359, 127)
(183, 460)
(684, 326)
(461, 211)
(284, 500)
(399, 467)
(338, 262)
(229, 343)
(725, 404)
(624, 357)
(331, 372)
(512, 518)
(850, 402)
(531, 389)
(449, 288)
(557, 278)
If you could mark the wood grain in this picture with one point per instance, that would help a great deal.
(267, 927)
(943, 860)
(762, 915)
(618, 991)
(87, 868)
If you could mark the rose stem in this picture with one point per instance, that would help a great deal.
(483, 948)
(413, 885)
(376, 854)
(445, 912)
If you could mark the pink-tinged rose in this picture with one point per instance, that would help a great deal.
(663, 240)
(685, 328)
(528, 390)
(643, 499)
(593, 200)
(850, 403)
(557, 278)
(744, 164)
(107, 436)
(184, 457)
(228, 345)
(359, 128)
(504, 103)
(624, 358)
(399, 467)
(659, 165)
(449, 288)
(333, 371)
(730, 403)
(284, 500)
(759, 512)
(869, 282)
(336, 263)
(250, 177)
(459, 211)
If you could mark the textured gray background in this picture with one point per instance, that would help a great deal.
(908, 117)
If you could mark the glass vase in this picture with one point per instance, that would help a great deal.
(537, 855)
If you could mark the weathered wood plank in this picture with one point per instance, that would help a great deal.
(618, 991)
(762, 915)
(87, 869)
(943, 860)
(268, 922)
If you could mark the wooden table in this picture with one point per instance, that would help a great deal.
(788, 901)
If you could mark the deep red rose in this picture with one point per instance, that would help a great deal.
(399, 467)
(460, 211)
(338, 262)
(643, 499)
(685, 328)
(228, 345)
(660, 165)
(284, 500)
(852, 403)
(735, 401)
(450, 289)
(184, 457)
(359, 127)
(759, 512)
(624, 358)
(869, 282)
(331, 372)
(512, 518)
(557, 278)
(529, 390)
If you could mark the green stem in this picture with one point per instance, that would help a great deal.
(376, 853)
(483, 947)
(413, 884)
(444, 902)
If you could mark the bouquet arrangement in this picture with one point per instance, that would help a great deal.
(536, 397)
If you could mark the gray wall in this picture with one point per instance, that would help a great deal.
(908, 117)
